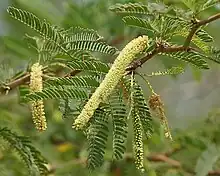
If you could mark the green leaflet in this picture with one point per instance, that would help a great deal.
(65, 109)
(199, 5)
(76, 81)
(119, 122)
(209, 4)
(81, 34)
(139, 22)
(214, 54)
(91, 66)
(82, 55)
(60, 40)
(135, 8)
(45, 29)
(92, 46)
(164, 26)
(204, 36)
(29, 19)
(192, 57)
(57, 93)
(97, 135)
(141, 121)
(140, 107)
(139, 104)
(33, 159)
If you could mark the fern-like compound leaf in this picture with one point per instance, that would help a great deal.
(210, 3)
(130, 8)
(119, 120)
(140, 107)
(204, 36)
(29, 19)
(165, 26)
(90, 66)
(83, 55)
(139, 104)
(214, 54)
(51, 47)
(195, 58)
(77, 81)
(141, 120)
(64, 108)
(92, 46)
(199, 5)
(45, 29)
(139, 22)
(57, 93)
(170, 25)
(81, 34)
(31, 156)
(97, 134)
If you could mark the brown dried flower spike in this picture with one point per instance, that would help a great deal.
(157, 106)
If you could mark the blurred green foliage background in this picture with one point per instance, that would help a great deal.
(192, 99)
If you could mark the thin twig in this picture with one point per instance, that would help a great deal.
(160, 49)
(197, 25)
(15, 83)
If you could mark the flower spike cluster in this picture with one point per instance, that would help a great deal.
(37, 107)
(126, 56)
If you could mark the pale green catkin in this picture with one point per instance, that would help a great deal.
(113, 77)
(37, 107)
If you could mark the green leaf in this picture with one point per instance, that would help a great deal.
(139, 22)
(45, 29)
(66, 110)
(57, 93)
(207, 160)
(92, 46)
(140, 107)
(141, 121)
(214, 55)
(76, 81)
(91, 66)
(97, 135)
(199, 5)
(192, 57)
(32, 158)
(204, 36)
(209, 4)
(119, 120)
(29, 19)
(81, 34)
(130, 8)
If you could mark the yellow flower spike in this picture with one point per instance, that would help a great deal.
(112, 78)
(37, 107)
